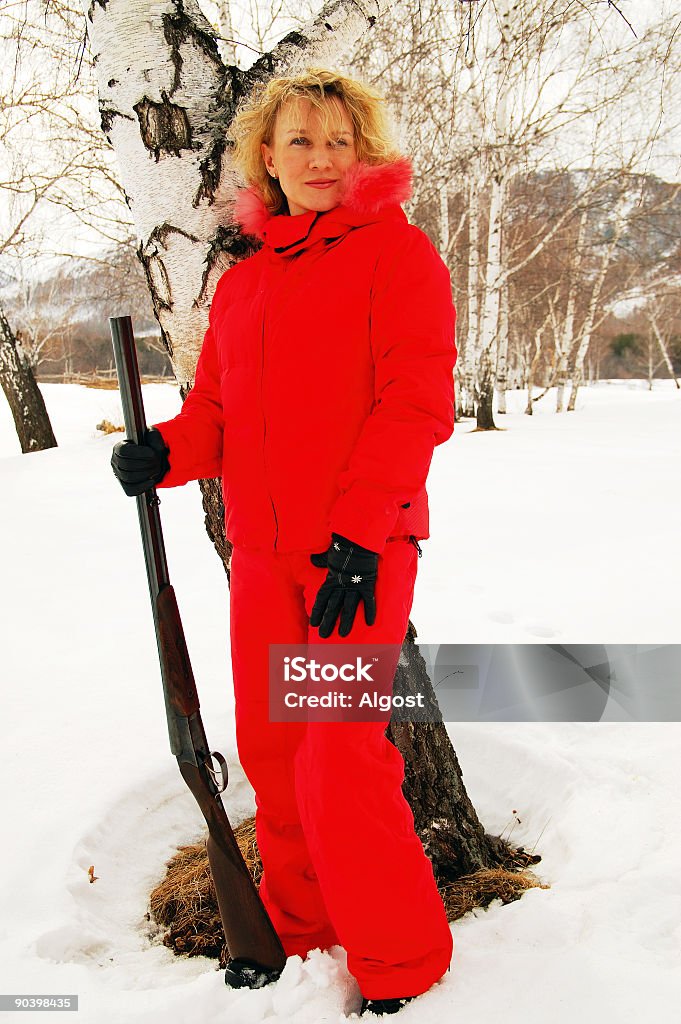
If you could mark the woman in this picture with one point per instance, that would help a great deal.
(323, 385)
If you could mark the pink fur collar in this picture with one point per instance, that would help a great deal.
(366, 189)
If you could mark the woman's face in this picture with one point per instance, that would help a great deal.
(300, 155)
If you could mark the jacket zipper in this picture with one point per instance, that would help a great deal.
(264, 424)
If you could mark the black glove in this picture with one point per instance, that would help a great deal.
(139, 467)
(351, 579)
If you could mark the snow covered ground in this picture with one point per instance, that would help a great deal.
(557, 528)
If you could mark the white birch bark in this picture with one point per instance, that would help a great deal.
(502, 361)
(657, 333)
(470, 354)
(529, 408)
(565, 336)
(651, 365)
(492, 275)
(490, 311)
(563, 342)
(444, 221)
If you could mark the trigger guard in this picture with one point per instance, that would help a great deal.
(224, 778)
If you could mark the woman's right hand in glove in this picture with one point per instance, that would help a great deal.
(139, 467)
(351, 578)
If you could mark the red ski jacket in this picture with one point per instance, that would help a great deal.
(326, 374)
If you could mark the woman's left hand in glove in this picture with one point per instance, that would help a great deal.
(351, 578)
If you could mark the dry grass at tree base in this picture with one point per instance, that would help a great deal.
(185, 902)
(107, 427)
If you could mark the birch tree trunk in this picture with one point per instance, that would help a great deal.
(651, 365)
(493, 278)
(663, 348)
(166, 102)
(444, 221)
(502, 361)
(529, 411)
(23, 395)
(490, 314)
(564, 337)
(226, 43)
(469, 370)
(561, 374)
(563, 340)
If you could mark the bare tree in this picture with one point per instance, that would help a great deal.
(40, 310)
(67, 174)
(525, 87)
(25, 400)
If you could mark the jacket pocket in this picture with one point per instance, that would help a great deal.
(412, 517)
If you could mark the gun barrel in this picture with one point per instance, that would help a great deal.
(130, 386)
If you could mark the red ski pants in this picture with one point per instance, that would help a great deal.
(342, 863)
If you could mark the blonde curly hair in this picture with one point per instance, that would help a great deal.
(254, 123)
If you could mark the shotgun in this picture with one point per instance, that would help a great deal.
(249, 932)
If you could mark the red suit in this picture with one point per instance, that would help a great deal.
(323, 385)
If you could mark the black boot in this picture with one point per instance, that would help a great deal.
(381, 1006)
(244, 973)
